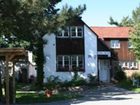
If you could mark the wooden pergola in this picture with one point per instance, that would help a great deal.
(11, 54)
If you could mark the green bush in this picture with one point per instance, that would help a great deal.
(127, 84)
(77, 80)
(136, 75)
(92, 79)
(53, 82)
(119, 74)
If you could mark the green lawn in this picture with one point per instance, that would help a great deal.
(136, 89)
(25, 98)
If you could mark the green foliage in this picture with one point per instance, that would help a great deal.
(30, 20)
(92, 79)
(128, 21)
(135, 40)
(53, 82)
(113, 22)
(119, 74)
(136, 75)
(77, 80)
(127, 84)
(30, 98)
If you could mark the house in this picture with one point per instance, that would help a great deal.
(74, 49)
(117, 39)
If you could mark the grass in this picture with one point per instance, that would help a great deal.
(26, 98)
(127, 84)
(136, 89)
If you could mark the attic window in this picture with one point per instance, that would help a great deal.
(76, 31)
(64, 33)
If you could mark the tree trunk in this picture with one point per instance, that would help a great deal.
(40, 62)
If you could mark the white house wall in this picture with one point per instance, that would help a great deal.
(90, 52)
(90, 57)
(50, 57)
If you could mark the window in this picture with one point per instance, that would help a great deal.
(130, 44)
(115, 44)
(70, 63)
(63, 63)
(76, 31)
(77, 62)
(129, 65)
(73, 32)
(133, 65)
(64, 33)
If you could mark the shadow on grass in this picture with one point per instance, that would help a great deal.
(100, 94)
(27, 98)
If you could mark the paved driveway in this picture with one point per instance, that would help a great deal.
(109, 95)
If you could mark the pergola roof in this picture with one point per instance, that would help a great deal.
(13, 53)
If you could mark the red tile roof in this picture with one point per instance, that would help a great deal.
(112, 32)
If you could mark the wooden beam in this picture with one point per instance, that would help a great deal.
(14, 89)
(7, 80)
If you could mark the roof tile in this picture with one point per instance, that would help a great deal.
(112, 32)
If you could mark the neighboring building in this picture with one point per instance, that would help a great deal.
(73, 50)
(117, 39)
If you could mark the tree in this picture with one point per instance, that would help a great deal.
(128, 21)
(133, 22)
(30, 20)
(135, 39)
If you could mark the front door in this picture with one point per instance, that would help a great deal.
(104, 70)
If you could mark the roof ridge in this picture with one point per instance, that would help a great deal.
(108, 27)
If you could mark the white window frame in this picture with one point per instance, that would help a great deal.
(77, 60)
(63, 60)
(134, 65)
(115, 43)
(76, 31)
(70, 61)
(63, 33)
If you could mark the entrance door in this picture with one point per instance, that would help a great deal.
(104, 70)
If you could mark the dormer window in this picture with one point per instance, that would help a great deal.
(76, 31)
(115, 44)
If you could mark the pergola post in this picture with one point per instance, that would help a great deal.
(7, 80)
(14, 89)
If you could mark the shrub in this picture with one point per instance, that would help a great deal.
(119, 74)
(53, 82)
(136, 75)
(77, 80)
(92, 79)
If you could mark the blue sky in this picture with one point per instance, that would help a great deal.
(99, 11)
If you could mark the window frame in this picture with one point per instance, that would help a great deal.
(76, 31)
(115, 45)
(62, 32)
(70, 67)
(77, 63)
(63, 63)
